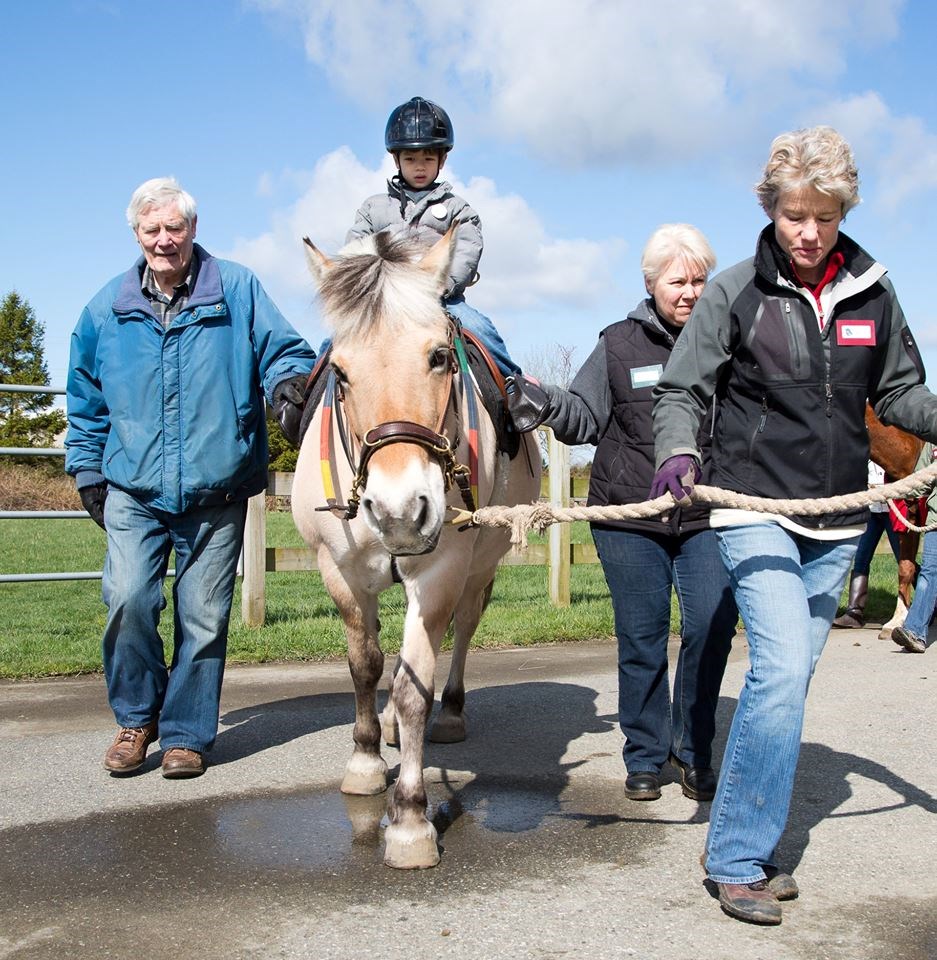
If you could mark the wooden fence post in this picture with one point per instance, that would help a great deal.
(558, 454)
(253, 596)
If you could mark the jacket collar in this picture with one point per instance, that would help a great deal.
(398, 188)
(208, 286)
(646, 314)
(772, 263)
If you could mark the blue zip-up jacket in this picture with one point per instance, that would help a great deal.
(176, 417)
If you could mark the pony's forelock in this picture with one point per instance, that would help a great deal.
(374, 280)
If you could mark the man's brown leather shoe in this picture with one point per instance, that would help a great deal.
(128, 751)
(753, 902)
(178, 763)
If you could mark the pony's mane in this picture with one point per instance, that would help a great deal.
(375, 280)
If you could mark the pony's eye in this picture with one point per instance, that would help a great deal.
(339, 374)
(439, 359)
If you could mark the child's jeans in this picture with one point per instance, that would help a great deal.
(486, 331)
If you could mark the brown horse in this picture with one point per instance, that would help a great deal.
(896, 452)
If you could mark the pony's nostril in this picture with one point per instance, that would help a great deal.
(367, 504)
(423, 512)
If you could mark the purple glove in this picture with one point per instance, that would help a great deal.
(677, 476)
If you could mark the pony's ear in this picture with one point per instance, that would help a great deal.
(319, 263)
(439, 258)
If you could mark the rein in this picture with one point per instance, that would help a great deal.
(401, 431)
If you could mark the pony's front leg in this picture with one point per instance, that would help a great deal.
(366, 770)
(410, 838)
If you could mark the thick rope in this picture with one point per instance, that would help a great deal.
(906, 523)
(538, 516)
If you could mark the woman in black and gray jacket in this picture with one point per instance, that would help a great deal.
(792, 343)
(609, 404)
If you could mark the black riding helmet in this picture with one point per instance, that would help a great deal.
(418, 124)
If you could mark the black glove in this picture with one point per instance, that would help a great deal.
(289, 398)
(527, 402)
(676, 476)
(92, 499)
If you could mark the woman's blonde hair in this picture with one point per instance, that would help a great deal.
(817, 157)
(673, 241)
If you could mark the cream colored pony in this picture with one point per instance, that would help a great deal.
(383, 452)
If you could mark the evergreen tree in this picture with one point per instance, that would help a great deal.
(283, 454)
(26, 419)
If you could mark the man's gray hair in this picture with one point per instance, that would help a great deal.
(817, 157)
(158, 193)
(675, 241)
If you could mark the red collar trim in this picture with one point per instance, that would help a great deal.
(833, 264)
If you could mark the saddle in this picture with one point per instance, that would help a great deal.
(484, 369)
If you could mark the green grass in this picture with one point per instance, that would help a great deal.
(55, 628)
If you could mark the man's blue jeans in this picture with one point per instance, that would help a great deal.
(641, 569)
(486, 331)
(207, 542)
(787, 588)
(925, 591)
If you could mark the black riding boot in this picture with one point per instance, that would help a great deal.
(854, 615)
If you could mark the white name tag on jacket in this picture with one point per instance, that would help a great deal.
(646, 376)
(855, 333)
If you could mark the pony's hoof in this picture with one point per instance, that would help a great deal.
(365, 777)
(411, 850)
(448, 728)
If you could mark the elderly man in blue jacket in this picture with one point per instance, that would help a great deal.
(167, 440)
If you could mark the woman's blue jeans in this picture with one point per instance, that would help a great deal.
(925, 590)
(641, 569)
(185, 696)
(878, 524)
(787, 588)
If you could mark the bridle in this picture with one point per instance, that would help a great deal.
(435, 442)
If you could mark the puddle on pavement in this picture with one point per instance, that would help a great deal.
(508, 827)
(82, 886)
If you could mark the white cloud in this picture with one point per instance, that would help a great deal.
(595, 81)
(522, 266)
(902, 154)
(323, 212)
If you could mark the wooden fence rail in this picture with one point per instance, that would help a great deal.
(558, 553)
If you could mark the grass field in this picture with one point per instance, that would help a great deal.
(55, 628)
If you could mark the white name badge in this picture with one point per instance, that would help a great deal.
(646, 376)
(855, 333)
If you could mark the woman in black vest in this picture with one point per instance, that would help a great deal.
(609, 404)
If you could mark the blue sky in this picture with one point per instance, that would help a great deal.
(579, 128)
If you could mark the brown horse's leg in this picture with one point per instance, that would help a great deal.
(366, 770)
(907, 574)
(907, 564)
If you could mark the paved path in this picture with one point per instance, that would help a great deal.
(543, 857)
